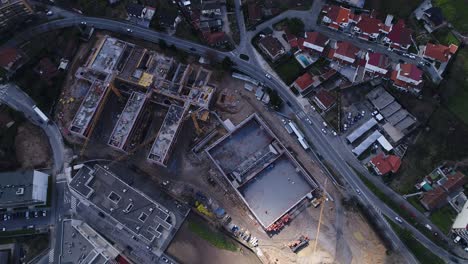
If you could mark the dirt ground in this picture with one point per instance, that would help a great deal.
(32, 147)
(188, 248)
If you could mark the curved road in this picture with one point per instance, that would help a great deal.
(313, 132)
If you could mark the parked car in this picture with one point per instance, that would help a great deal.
(325, 124)
(457, 239)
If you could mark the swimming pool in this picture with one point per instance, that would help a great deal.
(304, 60)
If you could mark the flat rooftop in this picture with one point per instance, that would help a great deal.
(275, 190)
(131, 208)
(380, 98)
(273, 182)
(88, 108)
(167, 134)
(108, 55)
(249, 138)
(127, 120)
(22, 188)
(81, 244)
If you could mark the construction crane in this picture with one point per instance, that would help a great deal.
(320, 217)
(98, 114)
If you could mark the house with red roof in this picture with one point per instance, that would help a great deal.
(407, 77)
(454, 182)
(377, 63)
(438, 52)
(369, 28)
(315, 41)
(399, 36)
(434, 199)
(292, 40)
(384, 164)
(336, 17)
(324, 99)
(254, 12)
(11, 59)
(304, 82)
(344, 52)
(214, 38)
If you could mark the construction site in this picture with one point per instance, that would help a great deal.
(266, 176)
(148, 82)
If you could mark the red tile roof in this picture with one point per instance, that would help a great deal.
(213, 38)
(254, 12)
(346, 49)
(316, 38)
(379, 60)
(292, 40)
(400, 34)
(386, 164)
(326, 98)
(337, 14)
(370, 25)
(439, 52)
(411, 71)
(8, 56)
(300, 43)
(304, 81)
(434, 198)
(454, 182)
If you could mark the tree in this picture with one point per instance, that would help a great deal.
(295, 26)
(227, 64)
(275, 100)
(162, 44)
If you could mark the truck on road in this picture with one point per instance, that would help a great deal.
(43, 117)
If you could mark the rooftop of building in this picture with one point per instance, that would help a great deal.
(272, 44)
(22, 188)
(439, 52)
(369, 25)
(461, 222)
(454, 182)
(400, 33)
(81, 244)
(167, 134)
(316, 38)
(127, 120)
(386, 163)
(108, 54)
(88, 107)
(131, 208)
(270, 181)
(326, 98)
(378, 60)
(434, 198)
(337, 14)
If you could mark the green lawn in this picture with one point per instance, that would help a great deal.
(215, 238)
(446, 37)
(455, 12)
(443, 218)
(441, 142)
(289, 70)
(420, 252)
(399, 8)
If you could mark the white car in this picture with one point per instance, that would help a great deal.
(49, 13)
(308, 121)
(268, 76)
(325, 124)
(457, 239)
(83, 23)
(324, 131)
(334, 133)
(129, 30)
(411, 56)
(358, 191)
(398, 219)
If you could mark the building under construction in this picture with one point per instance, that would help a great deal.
(264, 174)
(145, 78)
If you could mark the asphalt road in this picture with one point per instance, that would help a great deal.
(322, 143)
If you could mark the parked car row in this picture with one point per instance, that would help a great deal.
(26, 215)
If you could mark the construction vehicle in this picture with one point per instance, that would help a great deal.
(278, 225)
(299, 243)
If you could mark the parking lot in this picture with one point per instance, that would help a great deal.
(22, 220)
